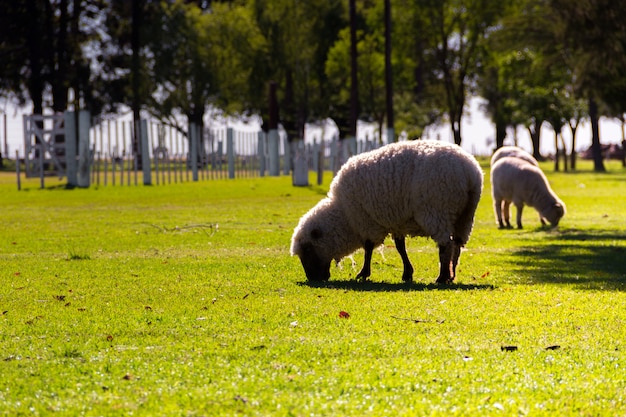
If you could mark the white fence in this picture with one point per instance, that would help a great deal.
(106, 154)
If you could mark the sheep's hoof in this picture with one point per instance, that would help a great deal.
(407, 278)
(444, 281)
(362, 278)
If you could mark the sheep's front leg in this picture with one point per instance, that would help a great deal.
(407, 274)
(366, 271)
(446, 253)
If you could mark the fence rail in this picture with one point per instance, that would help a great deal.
(109, 155)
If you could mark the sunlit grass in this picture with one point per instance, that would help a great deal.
(183, 300)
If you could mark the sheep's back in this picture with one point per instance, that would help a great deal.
(384, 191)
(513, 151)
(516, 180)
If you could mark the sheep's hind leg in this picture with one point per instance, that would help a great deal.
(366, 271)
(455, 256)
(497, 205)
(446, 253)
(407, 274)
(507, 214)
(520, 207)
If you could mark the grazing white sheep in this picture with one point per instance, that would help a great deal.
(515, 152)
(416, 188)
(514, 180)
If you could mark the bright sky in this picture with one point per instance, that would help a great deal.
(477, 130)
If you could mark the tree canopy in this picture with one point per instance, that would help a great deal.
(533, 61)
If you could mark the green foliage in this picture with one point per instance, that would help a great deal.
(186, 302)
(213, 55)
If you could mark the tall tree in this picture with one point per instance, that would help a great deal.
(388, 73)
(458, 29)
(592, 36)
(299, 35)
(213, 52)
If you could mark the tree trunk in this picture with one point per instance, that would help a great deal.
(388, 69)
(35, 82)
(572, 157)
(565, 169)
(500, 134)
(135, 70)
(623, 141)
(535, 137)
(354, 86)
(456, 131)
(598, 163)
(556, 151)
(60, 74)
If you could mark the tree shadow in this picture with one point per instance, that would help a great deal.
(372, 286)
(587, 259)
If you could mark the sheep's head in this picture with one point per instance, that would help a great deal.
(314, 241)
(316, 266)
(554, 213)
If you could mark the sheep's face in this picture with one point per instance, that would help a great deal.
(554, 213)
(315, 240)
(316, 267)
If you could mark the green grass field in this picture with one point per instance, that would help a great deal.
(182, 300)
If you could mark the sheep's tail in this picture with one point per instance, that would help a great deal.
(465, 221)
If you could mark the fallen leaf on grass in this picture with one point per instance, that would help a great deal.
(344, 315)
(508, 348)
(485, 275)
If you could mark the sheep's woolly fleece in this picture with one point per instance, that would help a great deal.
(415, 188)
(513, 151)
(516, 181)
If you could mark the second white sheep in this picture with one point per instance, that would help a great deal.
(514, 180)
(513, 151)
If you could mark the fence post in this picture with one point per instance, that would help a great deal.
(391, 135)
(193, 151)
(273, 148)
(69, 124)
(17, 170)
(230, 150)
(145, 153)
(84, 124)
(288, 155)
(261, 151)
(320, 163)
(300, 168)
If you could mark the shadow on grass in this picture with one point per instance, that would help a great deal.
(354, 285)
(590, 259)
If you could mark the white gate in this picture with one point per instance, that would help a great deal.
(44, 145)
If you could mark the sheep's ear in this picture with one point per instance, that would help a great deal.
(560, 208)
(316, 234)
